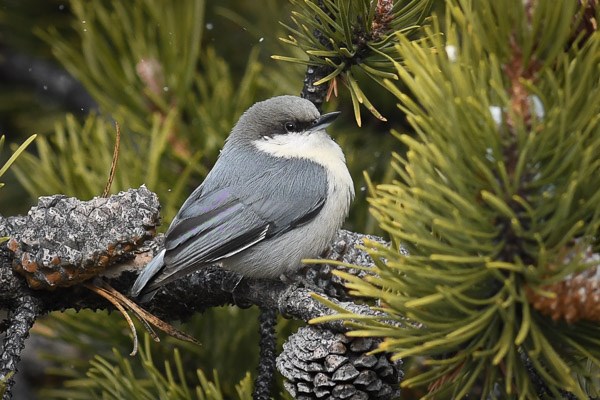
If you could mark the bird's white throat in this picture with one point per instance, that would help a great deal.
(314, 146)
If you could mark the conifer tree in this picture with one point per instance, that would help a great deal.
(489, 288)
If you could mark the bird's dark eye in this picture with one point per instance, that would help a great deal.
(290, 126)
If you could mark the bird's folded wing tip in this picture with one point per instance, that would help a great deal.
(148, 273)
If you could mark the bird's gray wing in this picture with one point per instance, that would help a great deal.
(216, 225)
(219, 220)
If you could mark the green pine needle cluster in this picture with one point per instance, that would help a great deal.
(124, 52)
(73, 340)
(352, 34)
(148, 57)
(117, 379)
(165, 108)
(491, 203)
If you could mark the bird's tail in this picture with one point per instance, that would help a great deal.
(146, 276)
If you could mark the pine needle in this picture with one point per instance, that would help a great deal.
(115, 159)
(122, 303)
(108, 296)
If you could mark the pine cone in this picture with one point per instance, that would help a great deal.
(48, 252)
(577, 298)
(320, 364)
(320, 278)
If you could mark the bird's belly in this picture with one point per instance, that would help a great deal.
(280, 255)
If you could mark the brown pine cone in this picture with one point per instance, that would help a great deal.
(577, 297)
(48, 252)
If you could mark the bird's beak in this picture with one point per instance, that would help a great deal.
(325, 120)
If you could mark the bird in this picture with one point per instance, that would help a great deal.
(278, 193)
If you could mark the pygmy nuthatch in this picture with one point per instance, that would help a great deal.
(277, 194)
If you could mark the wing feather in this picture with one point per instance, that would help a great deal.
(238, 206)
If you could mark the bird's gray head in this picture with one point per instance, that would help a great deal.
(280, 115)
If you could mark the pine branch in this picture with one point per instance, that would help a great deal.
(266, 364)
(23, 314)
(63, 241)
(314, 73)
(315, 93)
(348, 39)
